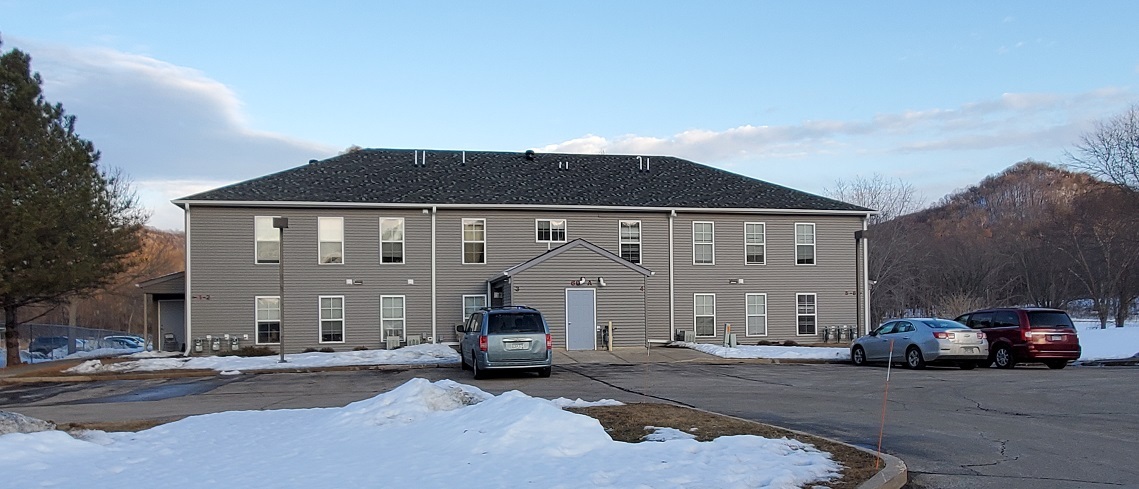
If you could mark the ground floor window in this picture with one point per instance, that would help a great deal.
(332, 319)
(472, 303)
(704, 309)
(806, 314)
(392, 319)
(268, 320)
(757, 314)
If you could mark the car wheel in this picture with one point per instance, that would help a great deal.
(545, 371)
(1003, 357)
(914, 359)
(479, 374)
(967, 365)
(858, 356)
(1056, 364)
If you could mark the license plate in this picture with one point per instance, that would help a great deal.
(517, 345)
(969, 349)
(1055, 337)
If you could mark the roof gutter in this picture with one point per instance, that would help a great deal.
(412, 205)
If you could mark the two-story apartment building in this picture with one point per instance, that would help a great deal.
(399, 246)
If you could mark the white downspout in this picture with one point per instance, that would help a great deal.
(187, 300)
(434, 318)
(671, 281)
(865, 277)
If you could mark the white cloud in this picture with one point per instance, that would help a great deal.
(156, 195)
(159, 120)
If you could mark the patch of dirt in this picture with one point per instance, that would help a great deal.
(627, 423)
(130, 425)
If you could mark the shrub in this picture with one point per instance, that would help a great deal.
(327, 350)
(766, 343)
(790, 343)
(309, 350)
(360, 348)
(250, 351)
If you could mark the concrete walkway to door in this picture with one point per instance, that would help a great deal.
(636, 355)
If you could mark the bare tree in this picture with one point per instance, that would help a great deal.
(1111, 149)
(892, 245)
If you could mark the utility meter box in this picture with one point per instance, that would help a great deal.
(234, 343)
(215, 344)
(197, 345)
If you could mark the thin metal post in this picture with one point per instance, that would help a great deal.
(281, 223)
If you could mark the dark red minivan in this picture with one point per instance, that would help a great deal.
(1026, 334)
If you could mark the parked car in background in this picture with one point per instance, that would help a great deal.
(510, 337)
(918, 341)
(47, 344)
(1026, 334)
(123, 342)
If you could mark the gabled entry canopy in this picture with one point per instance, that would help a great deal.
(577, 243)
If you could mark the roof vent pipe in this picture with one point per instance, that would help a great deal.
(311, 161)
(530, 154)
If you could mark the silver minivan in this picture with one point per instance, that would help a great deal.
(508, 337)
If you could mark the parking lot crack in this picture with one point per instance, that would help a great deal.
(999, 411)
(624, 389)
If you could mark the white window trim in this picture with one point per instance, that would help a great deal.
(565, 231)
(320, 320)
(384, 329)
(640, 234)
(763, 245)
(463, 235)
(255, 241)
(711, 243)
(814, 244)
(343, 231)
(748, 315)
(257, 321)
(464, 305)
(815, 315)
(402, 241)
(694, 316)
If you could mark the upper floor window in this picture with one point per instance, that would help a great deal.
(330, 234)
(755, 243)
(332, 319)
(630, 237)
(806, 315)
(551, 230)
(804, 243)
(474, 241)
(268, 239)
(268, 320)
(704, 310)
(391, 240)
(703, 243)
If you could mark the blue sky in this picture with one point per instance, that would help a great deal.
(187, 96)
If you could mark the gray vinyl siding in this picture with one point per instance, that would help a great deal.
(620, 300)
(225, 280)
(832, 278)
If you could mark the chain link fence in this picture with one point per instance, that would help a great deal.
(47, 342)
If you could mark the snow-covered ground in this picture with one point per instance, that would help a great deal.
(780, 352)
(421, 434)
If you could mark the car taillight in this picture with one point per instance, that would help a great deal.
(980, 335)
(549, 342)
(482, 343)
(941, 335)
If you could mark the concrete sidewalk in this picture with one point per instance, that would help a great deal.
(636, 355)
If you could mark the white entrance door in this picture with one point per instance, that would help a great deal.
(581, 319)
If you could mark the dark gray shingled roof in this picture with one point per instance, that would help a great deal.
(443, 177)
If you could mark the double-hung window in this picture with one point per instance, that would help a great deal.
(806, 315)
(331, 319)
(703, 243)
(391, 240)
(756, 315)
(268, 240)
(804, 243)
(551, 230)
(474, 241)
(268, 320)
(630, 237)
(704, 310)
(330, 233)
(472, 303)
(392, 319)
(755, 243)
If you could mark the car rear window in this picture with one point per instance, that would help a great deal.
(1049, 319)
(523, 322)
(943, 324)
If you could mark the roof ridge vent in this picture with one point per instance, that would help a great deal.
(418, 159)
(531, 155)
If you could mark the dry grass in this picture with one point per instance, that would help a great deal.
(131, 425)
(627, 423)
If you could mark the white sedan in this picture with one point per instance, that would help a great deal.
(917, 341)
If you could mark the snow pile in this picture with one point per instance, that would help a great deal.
(579, 403)
(422, 434)
(665, 434)
(779, 352)
(18, 423)
(1107, 344)
(412, 355)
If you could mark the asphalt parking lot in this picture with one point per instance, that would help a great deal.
(1029, 427)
